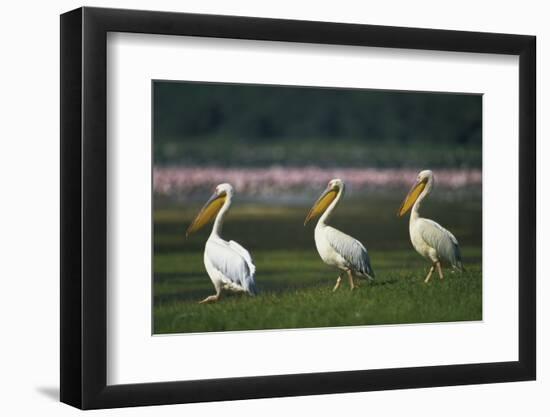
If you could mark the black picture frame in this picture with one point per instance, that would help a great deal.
(84, 207)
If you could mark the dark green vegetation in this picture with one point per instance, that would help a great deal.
(296, 287)
(251, 125)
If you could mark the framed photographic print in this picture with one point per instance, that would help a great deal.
(259, 207)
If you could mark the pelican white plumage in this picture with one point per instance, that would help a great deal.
(228, 264)
(431, 240)
(336, 248)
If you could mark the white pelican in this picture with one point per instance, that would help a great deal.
(228, 264)
(432, 241)
(336, 248)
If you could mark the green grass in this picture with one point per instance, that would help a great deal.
(296, 286)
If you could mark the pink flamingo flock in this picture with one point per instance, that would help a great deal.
(273, 180)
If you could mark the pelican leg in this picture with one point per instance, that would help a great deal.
(439, 270)
(211, 298)
(429, 274)
(338, 282)
(351, 283)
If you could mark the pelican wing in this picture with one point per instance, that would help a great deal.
(351, 250)
(245, 254)
(442, 241)
(233, 262)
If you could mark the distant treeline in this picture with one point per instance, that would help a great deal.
(190, 118)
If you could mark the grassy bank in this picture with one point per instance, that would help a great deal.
(296, 287)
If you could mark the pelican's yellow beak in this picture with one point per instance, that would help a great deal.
(412, 196)
(207, 213)
(322, 203)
